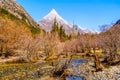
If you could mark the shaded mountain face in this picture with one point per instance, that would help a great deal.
(115, 27)
(118, 22)
(14, 8)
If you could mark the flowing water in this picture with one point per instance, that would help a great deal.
(76, 64)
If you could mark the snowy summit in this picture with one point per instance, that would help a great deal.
(48, 21)
(53, 14)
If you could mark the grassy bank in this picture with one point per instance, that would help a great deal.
(24, 71)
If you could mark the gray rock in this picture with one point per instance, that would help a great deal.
(17, 10)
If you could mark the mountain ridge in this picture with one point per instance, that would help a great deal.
(17, 10)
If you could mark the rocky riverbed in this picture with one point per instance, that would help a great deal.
(112, 73)
(87, 72)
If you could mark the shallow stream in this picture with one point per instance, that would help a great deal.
(76, 63)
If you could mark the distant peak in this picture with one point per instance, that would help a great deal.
(53, 9)
(54, 15)
(53, 12)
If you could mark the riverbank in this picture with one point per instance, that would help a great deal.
(88, 72)
(111, 73)
(78, 69)
(10, 69)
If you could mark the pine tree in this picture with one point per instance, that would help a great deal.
(62, 34)
(59, 31)
(73, 33)
(70, 37)
(78, 34)
(55, 27)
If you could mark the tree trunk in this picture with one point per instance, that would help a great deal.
(94, 50)
(98, 65)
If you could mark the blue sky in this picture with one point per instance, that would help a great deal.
(89, 14)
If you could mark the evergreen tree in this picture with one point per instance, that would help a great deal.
(55, 27)
(73, 33)
(70, 37)
(59, 31)
(62, 34)
(78, 34)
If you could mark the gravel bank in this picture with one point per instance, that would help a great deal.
(112, 73)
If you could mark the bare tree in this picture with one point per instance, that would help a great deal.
(70, 47)
(111, 42)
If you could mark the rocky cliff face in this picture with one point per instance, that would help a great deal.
(14, 8)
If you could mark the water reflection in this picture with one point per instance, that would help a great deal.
(73, 78)
(76, 63)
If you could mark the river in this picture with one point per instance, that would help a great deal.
(76, 63)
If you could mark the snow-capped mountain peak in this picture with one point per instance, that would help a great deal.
(47, 23)
(54, 12)
(52, 15)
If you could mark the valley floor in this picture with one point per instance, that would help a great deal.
(41, 70)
